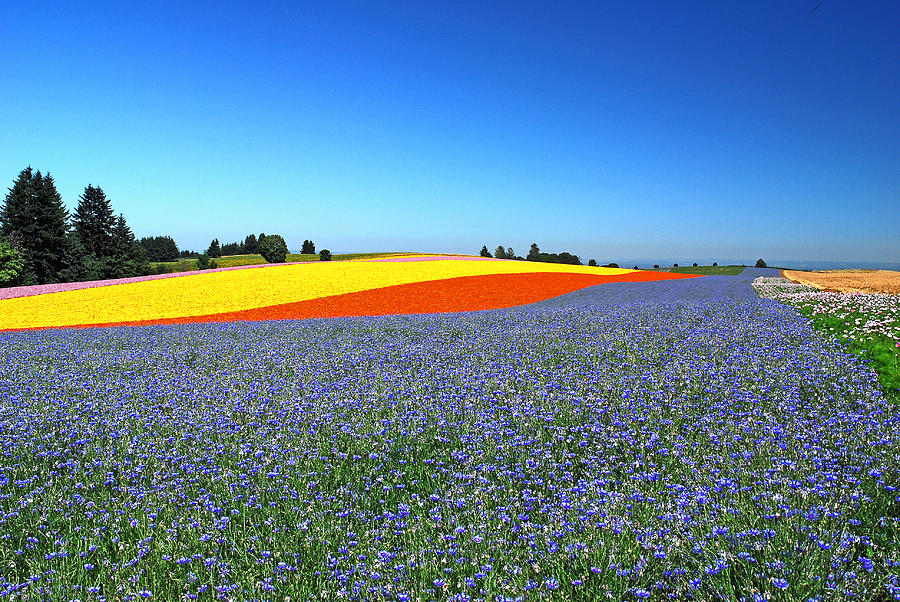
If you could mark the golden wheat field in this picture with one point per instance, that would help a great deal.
(849, 281)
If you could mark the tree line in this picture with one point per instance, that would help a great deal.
(42, 243)
(534, 254)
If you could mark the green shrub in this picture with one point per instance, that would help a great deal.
(11, 264)
(273, 248)
(324, 255)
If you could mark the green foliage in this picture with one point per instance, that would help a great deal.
(504, 253)
(11, 264)
(203, 261)
(130, 258)
(33, 213)
(251, 245)
(883, 352)
(214, 249)
(273, 248)
(94, 221)
(592, 263)
(485, 252)
(160, 248)
(563, 257)
(233, 248)
(760, 263)
(309, 248)
(324, 255)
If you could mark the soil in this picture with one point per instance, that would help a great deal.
(849, 281)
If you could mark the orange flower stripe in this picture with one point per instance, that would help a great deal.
(312, 290)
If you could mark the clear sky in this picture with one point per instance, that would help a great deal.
(620, 129)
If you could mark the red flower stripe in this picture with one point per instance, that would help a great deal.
(467, 293)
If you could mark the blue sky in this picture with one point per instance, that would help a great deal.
(610, 130)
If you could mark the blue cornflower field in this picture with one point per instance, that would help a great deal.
(666, 440)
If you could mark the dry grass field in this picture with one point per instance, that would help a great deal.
(849, 281)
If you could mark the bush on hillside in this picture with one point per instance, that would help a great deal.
(273, 248)
(324, 255)
(760, 263)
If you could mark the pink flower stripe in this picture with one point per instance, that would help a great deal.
(433, 258)
(15, 292)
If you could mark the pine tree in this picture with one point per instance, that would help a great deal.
(33, 213)
(484, 251)
(215, 249)
(130, 257)
(94, 222)
(15, 221)
(534, 253)
(250, 244)
(309, 248)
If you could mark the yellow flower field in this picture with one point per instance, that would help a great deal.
(229, 291)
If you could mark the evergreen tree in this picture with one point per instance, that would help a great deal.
(215, 250)
(510, 254)
(309, 247)
(484, 251)
(160, 248)
(232, 248)
(534, 253)
(592, 262)
(760, 263)
(33, 213)
(500, 252)
(130, 258)
(94, 221)
(250, 244)
(324, 255)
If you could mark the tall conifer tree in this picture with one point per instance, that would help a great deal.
(131, 256)
(94, 222)
(34, 214)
